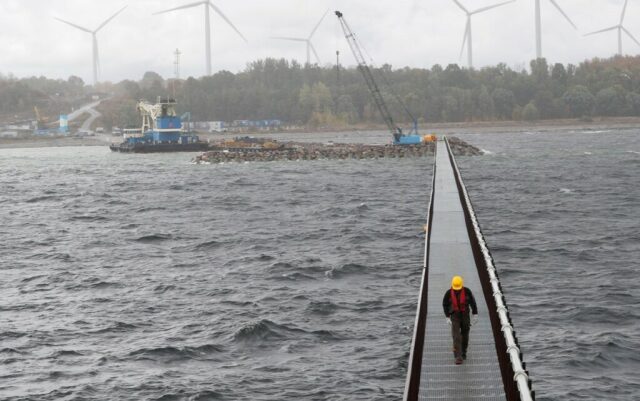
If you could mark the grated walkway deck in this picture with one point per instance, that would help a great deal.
(450, 254)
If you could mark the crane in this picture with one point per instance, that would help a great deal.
(152, 112)
(41, 123)
(399, 138)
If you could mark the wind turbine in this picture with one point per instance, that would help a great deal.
(467, 32)
(620, 28)
(307, 40)
(539, 29)
(96, 58)
(207, 32)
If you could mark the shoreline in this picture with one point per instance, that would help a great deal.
(541, 125)
(478, 127)
(487, 126)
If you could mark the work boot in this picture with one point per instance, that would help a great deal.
(458, 361)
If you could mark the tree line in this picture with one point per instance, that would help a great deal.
(327, 96)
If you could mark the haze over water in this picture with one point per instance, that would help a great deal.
(147, 277)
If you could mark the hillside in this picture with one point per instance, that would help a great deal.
(325, 97)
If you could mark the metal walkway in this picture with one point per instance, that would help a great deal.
(449, 251)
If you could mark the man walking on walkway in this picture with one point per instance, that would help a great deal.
(457, 302)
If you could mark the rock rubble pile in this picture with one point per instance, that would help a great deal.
(317, 151)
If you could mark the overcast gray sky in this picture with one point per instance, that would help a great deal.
(416, 33)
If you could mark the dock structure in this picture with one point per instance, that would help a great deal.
(454, 245)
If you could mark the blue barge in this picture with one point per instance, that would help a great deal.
(161, 131)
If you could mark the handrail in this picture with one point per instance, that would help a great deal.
(427, 237)
(412, 384)
(520, 375)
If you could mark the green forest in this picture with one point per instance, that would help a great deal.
(328, 96)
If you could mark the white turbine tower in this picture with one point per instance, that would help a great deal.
(307, 40)
(539, 28)
(96, 58)
(207, 27)
(620, 28)
(467, 32)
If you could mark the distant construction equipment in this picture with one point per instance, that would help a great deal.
(41, 127)
(45, 127)
(399, 138)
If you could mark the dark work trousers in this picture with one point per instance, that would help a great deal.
(460, 324)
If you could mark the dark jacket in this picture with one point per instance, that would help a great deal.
(470, 301)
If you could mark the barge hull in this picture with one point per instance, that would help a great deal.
(159, 147)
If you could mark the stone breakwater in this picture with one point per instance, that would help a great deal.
(317, 151)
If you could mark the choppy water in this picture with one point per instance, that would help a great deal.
(561, 213)
(146, 277)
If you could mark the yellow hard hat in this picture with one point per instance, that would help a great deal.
(457, 283)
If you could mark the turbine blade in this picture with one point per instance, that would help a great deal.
(314, 51)
(563, 13)
(109, 19)
(602, 30)
(630, 35)
(318, 24)
(464, 38)
(181, 7)
(287, 38)
(224, 17)
(624, 9)
(490, 7)
(73, 25)
(461, 6)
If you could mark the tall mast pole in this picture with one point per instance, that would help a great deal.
(176, 64)
(338, 68)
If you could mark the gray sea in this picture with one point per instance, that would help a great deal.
(146, 277)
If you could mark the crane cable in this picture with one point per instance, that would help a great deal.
(391, 90)
(388, 84)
